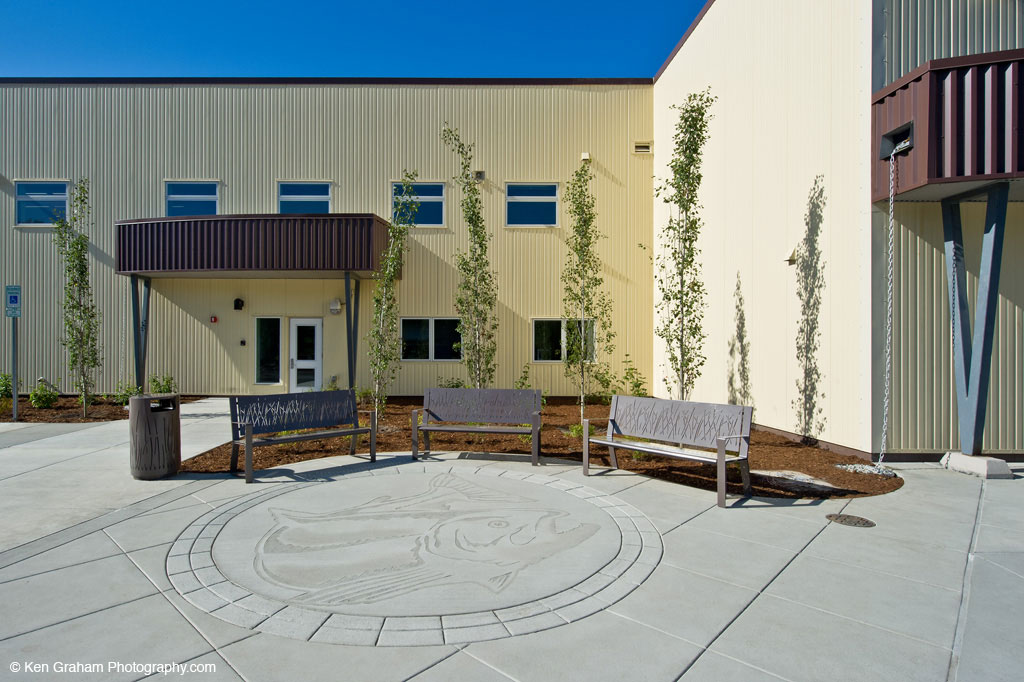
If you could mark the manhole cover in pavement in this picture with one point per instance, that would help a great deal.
(415, 558)
(850, 520)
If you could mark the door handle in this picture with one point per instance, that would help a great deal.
(291, 363)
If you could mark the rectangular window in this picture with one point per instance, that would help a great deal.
(550, 340)
(191, 198)
(40, 203)
(430, 196)
(304, 197)
(425, 338)
(534, 205)
(268, 350)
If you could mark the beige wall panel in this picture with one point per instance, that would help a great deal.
(924, 414)
(912, 32)
(792, 82)
(129, 139)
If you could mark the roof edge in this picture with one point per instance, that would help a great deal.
(260, 80)
(679, 45)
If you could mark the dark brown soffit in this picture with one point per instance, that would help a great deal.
(980, 59)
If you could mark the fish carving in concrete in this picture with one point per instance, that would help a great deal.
(454, 532)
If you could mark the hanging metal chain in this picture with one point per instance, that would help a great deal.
(888, 310)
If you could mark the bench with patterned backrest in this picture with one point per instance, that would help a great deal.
(289, 412)
(443, 408)
(681, 426)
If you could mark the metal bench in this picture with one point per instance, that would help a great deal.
(482, 407)
(268, 414)
(681, 426)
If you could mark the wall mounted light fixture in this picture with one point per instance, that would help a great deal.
(335, 306)
(239, 304)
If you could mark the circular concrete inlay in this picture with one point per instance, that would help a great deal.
(414, 558)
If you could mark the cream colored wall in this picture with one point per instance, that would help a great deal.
(128, 139)
(793, 83)
(924, 415)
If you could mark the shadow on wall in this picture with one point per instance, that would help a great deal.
(810, 281)
(739, 390)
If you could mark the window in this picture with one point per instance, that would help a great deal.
(191, 198)
(549, 339)
(531, 205)
(425, 338)
(40, 203)
(304, 197)
(431, 198)
(268, 350)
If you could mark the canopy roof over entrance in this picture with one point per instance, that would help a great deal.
(266, 246)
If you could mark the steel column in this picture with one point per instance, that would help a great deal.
(351, 326)
(140, 326)
(972, 357)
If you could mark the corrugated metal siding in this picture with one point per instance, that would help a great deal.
(128, 139)
(918, 30)
(924, 416)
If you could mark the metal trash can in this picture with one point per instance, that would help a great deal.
(154, 423)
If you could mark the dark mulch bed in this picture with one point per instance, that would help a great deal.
(69, 410)
(768, 452)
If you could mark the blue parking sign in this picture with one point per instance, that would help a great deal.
(12, 294)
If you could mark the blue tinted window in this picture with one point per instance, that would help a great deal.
(40, 203)
(430, 213)
(191, 198)
(531, 213)
(533, 190)
(293, 206)
(430, 196)
(423, 189)
(190, 208)
(535, 205)
(198, 189)
(305, 189)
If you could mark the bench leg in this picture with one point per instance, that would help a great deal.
(426, 441)
(352, 443)
(415, 435)
(720, 465)
(234, 458)
(745, 473)
(248, 453)
(373, 436)
(586, 447)
(611, 455)
(535, 452)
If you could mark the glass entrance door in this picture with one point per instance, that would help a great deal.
(306, 355)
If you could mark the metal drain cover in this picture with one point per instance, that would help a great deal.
(850, 520)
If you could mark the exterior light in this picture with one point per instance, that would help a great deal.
(335, 306)
(239, 304)
(479, 176)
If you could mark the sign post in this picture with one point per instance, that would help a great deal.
(12, 307)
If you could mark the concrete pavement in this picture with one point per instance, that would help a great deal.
(476, 567)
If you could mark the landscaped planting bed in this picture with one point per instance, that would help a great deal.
(768, 452)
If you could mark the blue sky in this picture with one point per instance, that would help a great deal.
(259, 38)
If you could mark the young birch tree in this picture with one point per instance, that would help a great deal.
(586, 307)
(81, 317)
(477, 294)
(384, 339)
(682, 303)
